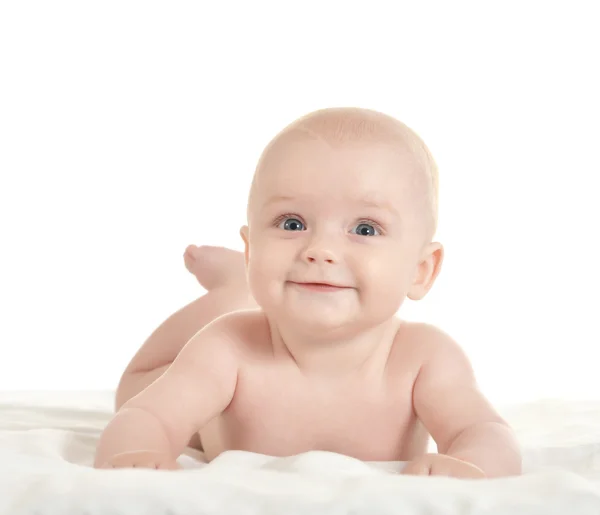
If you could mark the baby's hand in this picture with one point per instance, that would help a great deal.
(141, 459)
(443, 465)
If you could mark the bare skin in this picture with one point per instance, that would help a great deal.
(338, 235)
(221, 272)
(226, 293)
(379, 423)
(405, 438)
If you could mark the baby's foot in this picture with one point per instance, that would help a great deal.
(216, 266)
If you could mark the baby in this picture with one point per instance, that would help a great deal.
(297, 345)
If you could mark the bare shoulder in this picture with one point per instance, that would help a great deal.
(430, 345)
(421, 332)
(221, 346)
(238, 330)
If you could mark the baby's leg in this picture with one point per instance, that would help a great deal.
(219, 270)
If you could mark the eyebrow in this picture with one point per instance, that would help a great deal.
(278, 198)
(369, 201)
(374, 202)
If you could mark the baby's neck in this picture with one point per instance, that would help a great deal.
(364, 352)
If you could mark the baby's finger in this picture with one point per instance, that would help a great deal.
(457, 470)
(145, 464)
(169, 465)
(472, 472)
(417, 468)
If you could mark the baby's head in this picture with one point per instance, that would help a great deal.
(346, 197)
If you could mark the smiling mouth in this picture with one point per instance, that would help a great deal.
(322, 287)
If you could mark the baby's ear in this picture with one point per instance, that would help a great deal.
(427, 271)
(244, 235)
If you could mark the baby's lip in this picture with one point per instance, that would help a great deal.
(319, 283)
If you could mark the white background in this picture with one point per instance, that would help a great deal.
(129, 130)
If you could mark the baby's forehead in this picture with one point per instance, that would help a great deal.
(387, 197)
(362, 134)
(374, 166)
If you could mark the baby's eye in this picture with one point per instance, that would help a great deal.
(364, 229)
(292, 224)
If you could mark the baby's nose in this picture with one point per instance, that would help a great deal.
(319, 254)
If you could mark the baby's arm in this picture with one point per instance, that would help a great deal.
(160, 420)
(460, 419)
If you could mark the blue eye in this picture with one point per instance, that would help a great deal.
(292, 224)
(364, 229)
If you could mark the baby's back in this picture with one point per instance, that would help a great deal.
(277, 410)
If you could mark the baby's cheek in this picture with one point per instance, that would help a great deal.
(381, 272)
(387, 280)
(257, 278)
(263, 275)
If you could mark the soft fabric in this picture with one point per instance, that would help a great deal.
(47, 443)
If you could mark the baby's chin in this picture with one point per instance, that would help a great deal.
(316, 317)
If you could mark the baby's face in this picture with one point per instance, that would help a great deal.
(343, 216)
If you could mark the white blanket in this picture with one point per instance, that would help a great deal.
(47, 443)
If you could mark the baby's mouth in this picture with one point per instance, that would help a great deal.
(322, 287)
